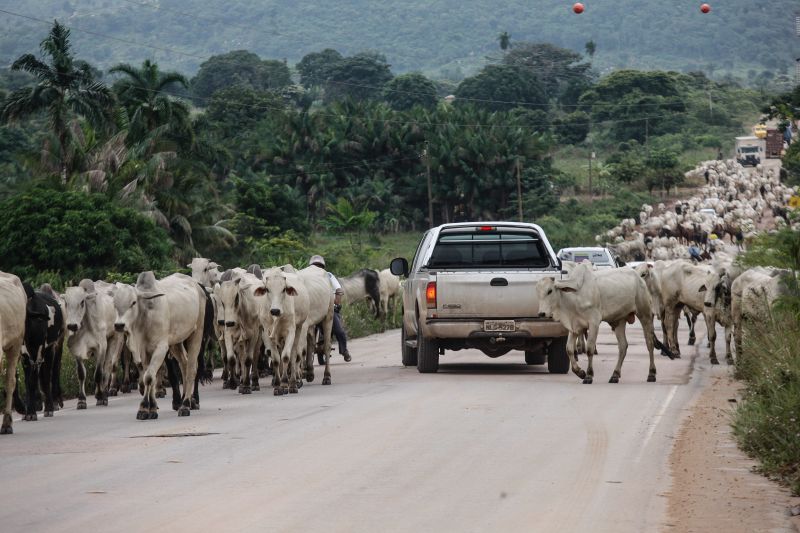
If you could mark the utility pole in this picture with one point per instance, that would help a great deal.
(591, 156)
(430, 193)
(519, 189)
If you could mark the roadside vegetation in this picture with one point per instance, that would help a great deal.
(767, 423)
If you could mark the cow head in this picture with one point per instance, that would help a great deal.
(717, 290)
(76, 300)
(129, 303)
(204, 271)
(545, 292)
(277, 287)
(228, 300)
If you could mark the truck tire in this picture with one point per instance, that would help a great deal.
(557, 359)
(427, 354)
(409, 354)
(535, 358)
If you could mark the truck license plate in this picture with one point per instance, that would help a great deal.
(499, 325)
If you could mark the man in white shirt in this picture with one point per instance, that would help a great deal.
(338, 328)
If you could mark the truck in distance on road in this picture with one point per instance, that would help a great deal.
(473, 285)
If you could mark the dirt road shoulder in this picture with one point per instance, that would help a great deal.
(714, 487)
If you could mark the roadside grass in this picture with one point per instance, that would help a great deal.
(767, 423)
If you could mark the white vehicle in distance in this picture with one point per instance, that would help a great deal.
(601, 258)
(709, 212)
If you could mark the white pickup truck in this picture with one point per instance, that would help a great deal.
(473, 285)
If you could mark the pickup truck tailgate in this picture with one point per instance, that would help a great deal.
(468, 294)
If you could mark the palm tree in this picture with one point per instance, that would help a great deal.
(65, 88)
(505, 41)
(142, 93)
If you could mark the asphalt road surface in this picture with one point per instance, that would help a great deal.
(484, 445)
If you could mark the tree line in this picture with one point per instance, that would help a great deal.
(250, 154)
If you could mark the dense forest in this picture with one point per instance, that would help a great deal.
(106, 173)
(447, 38)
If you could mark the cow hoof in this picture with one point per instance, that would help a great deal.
(714, 361)
(6, 430)
(292, 390)
(142, 415)
(677, 355)
(176, 405)
(102, 401)
(244, 390)
(310, 377)
(112, 392)
(256, 388)
(161, 394)
(651, 378)
(276, 391)
(81, 404)
(300, 384)
(30, 418)
(587, 380)
(184, 411)
(581, 374)
(125, 389)
(691, 341)
(195, 404)
(614, 379)
(48, 414)
(326, 380)
(729, 360)
(153, 415)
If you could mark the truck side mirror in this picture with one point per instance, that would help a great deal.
(399, 266)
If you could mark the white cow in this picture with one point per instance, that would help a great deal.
(159, 316)
(587, 298)
(239, 309)
(752, 296)
(284, 320)
(12, 335)
(204, 271)
(679, 285)
(320, 314)
(90, 333)
(389, 285)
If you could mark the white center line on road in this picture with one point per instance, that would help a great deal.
(654, 424)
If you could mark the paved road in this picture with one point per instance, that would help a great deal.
(485, 445)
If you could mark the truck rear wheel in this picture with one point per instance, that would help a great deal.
(557, 359)
(409, 354)
(427, 354)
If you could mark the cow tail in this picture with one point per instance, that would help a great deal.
(372, 288)
(18, 404)
(205, 359)
(659, 346)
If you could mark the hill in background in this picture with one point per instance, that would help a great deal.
(445, 38)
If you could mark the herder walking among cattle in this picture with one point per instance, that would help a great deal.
(338, 329)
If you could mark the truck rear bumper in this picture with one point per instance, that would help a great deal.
(449, 328)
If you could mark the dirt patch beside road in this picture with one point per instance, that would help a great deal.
(714, 487)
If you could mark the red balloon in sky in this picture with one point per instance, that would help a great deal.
(578, 8)
(705, 8)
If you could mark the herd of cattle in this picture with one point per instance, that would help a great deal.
(731, 204)
(252, 315)
(274, 321)
(717, 287)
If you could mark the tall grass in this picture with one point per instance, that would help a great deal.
(767, 423)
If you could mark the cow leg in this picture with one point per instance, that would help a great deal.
(327, 326)
(174, 377)
(190, 355)
(31, 386)
(58, 397)
(257, 364)
(672, 318)
(99, 384)
(690, 320)
(113, 352)
(573, 360)
(82, 383)
(126, 371)
(591, 350)
(46, 380)
(245, 363)
(148, 408)
(711, 326)
(728, 353)
(622, 350)
(12, 356)
(646, 320)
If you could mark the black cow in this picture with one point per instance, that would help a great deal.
(44, 341)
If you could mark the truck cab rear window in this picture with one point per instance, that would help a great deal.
(496, 249)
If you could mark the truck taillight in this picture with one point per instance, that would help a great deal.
(430, 295)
